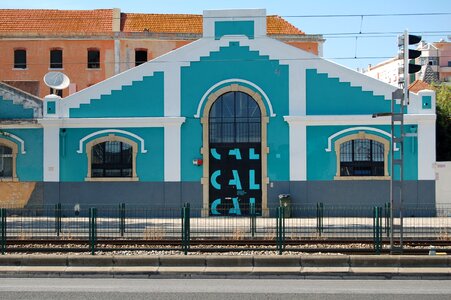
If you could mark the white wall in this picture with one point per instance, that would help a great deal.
(443, 182)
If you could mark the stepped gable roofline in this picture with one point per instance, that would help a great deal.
(8, 92)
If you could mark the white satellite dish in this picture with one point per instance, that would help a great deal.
(56, 80)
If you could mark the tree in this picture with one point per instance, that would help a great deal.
(443, 125)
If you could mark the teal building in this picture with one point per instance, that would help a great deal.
(231, 120)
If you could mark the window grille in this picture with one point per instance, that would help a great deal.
(6, 162)
(361, 157)
(235, 117)
(111, 159)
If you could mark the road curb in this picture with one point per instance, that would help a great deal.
(208, 266)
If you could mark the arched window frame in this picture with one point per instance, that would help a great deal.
(206, 142)
(15, 150)
(111, 138)
(365, 136)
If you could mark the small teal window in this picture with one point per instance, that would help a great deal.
(51, 107)
(234, 28)
(427, 102)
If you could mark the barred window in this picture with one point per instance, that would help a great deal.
(235, 117)
(6, 162)
(362, 157)
(112, 159)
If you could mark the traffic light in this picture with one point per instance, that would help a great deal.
(408, 54)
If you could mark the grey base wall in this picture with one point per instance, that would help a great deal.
(333, 194)
(154, 194)
(339, 196)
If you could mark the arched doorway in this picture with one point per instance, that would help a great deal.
(235, 164)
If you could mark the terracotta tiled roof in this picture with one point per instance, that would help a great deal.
(161, 23)
(278, 25)
(55, 21)
(101, 21)
(419, 85)
(182, 23)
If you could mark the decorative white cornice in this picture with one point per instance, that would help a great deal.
(356, 120)
(113, 122)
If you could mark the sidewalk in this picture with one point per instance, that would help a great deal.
(221, 266)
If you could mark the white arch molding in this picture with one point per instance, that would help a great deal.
(330, 138)
(234, 80)
(140, 139)
(15, 137)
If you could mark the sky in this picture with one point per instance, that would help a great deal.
(350, 40)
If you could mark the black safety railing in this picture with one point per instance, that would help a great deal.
(182, 227)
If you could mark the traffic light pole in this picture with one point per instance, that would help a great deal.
(397, 112)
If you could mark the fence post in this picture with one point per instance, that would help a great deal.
(387, 218)
(319, 218)
(377, 229)
(122, 219)
(58, 215)
(186, 228)
(3, 228)
(280, 229)
(253, 218)
(93, 229)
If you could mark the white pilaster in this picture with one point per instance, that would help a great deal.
(298, 150)
(51, 153)
(426, 150)
(297, 89)
(172, 90)
(172, 153)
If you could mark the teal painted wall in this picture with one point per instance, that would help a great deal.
(234, 28)
(29, 166)
(235, 61)
(9, 110)
(73, 165)
(321, 165)
(329, 96)
(141, 99)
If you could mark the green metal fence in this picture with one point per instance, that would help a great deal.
(183, 226)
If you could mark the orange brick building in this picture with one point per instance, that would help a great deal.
(92, 45)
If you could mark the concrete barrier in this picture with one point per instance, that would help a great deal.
(89, 260)
(423, 261)
(228, 261)
(136, 261)
(217, 265)
(292, 261)
(374, 261)
(11, 260)
(325, 261)
(182, 261)
(44, 260)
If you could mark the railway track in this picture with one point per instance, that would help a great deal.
(339, 246)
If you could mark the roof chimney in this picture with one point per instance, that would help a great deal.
(116, 20)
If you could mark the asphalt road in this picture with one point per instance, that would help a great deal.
(230, 289)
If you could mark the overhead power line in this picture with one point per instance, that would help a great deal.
(368, 15)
